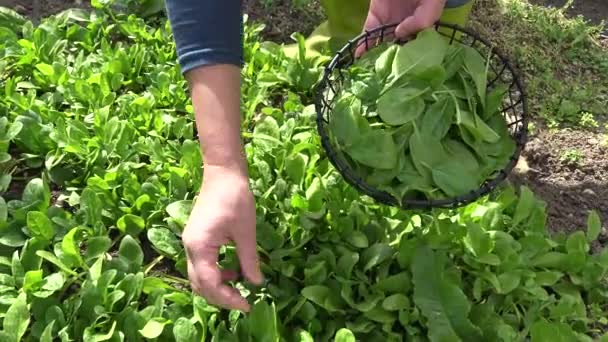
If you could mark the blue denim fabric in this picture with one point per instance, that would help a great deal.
(206, 32)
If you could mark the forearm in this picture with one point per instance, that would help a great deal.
(216, 100)
(208, 39)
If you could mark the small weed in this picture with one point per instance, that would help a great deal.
(532, 128)
(571, 157)
(588, 120)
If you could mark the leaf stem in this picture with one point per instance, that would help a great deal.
(72, 281)
(178, 280)
(153, 263)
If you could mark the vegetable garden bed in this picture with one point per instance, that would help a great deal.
(563, 62)
(100, 165)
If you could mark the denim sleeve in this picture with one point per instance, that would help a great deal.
(456, 3)
(206, 32)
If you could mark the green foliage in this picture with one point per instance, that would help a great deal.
(417, 120)
(89, 248)
(561, 57)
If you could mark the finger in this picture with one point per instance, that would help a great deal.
(370, 23)
(425, 16)
(410, 26)
(248, 257)
(207, 281)
(215, 291)
(194, 281)
(231, 298)
(229, 275)
(216, 299)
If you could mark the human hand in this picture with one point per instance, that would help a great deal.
(224, 212)
(412, 15)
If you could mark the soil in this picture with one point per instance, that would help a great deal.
(279, 18)
(36, 9)
(592, 10)
(571, 188)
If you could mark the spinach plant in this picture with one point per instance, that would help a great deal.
(104, 167)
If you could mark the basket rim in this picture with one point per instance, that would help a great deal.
(487, 185)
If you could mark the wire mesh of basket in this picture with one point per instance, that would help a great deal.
(501, 71)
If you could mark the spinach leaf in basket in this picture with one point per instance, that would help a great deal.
(477, 68)
(427, 126)
(398, 106)
(418, 55)
(384, 62)
(375, 148)
(439, 117)
(345, 120)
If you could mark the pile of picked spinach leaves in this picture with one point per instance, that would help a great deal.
(416, 120)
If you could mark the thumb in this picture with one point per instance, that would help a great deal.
(425, 16)
(246, 249)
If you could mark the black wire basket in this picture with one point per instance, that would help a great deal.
(514, 110)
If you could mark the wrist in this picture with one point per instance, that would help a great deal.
(226, 157)
(235, 175)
